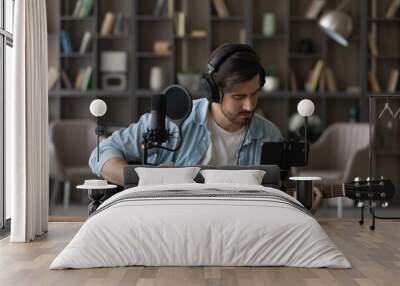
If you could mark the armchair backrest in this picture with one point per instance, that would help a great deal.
(342, 141)
(73, 141)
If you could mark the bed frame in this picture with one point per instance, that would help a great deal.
(131, 179)
(270, 179)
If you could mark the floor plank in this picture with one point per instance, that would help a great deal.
(375, 257)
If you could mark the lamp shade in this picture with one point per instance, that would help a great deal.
(337, 25)
(98, 107)
(305, 108)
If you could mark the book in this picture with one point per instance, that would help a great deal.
(314, 8)
(171, 8)
(87, 75)
(221, 8)
(393, 80)
(198, 33)
(119, 24)
(77, 8)
(86, 8)
(159, 8)
(316, 75)
(392, 10)
(330, 80)
(85, 42)
(373, 82)
(372, 45)
(66, 46)
(108, 23)
(66, 82)
(53, 76)
(180, 24)
(79, 78)
(161, 47)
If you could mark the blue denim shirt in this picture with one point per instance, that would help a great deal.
(126, 143)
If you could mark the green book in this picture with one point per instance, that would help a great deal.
(86, 78)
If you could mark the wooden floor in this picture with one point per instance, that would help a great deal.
(375, 257)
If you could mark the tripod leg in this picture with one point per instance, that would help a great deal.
(361, 221)
(372, 227)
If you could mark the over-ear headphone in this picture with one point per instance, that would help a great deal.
(207, 82)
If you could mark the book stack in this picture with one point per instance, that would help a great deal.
(83, 77)
(83, 8)
(112, 24)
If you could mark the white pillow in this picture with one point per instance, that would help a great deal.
(166, 176)
(248, 177)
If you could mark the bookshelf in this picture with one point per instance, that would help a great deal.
(190, 53)
(386, 34)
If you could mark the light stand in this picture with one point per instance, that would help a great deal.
(304, 185)
(305, 108)
(98, 108)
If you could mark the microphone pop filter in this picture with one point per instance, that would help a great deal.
(179, 103)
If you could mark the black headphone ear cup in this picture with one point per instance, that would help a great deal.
(262, 76)
(209, 88)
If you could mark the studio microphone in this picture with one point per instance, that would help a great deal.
(157, 130)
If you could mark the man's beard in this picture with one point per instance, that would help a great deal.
(239, 119)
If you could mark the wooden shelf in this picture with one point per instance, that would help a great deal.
(72, 18)
(227, 19)
(279, 37)
(72, 93)
(113, 37)
(316, 95)
(151, 18)
(76, 55)
(384, 20)
(152, 55)
(190, 37)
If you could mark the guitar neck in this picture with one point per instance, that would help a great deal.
(328, 190)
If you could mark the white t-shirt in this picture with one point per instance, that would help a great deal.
(224, 145)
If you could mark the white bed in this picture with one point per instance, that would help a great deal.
(224, 225)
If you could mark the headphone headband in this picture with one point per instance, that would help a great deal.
(225, 52)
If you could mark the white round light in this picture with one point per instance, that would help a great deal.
(305, 107)
(98, 107)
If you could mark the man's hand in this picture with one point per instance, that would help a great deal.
(317, 194)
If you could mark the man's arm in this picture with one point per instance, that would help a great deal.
(113, 171)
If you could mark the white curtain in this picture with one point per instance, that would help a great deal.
(27, 124)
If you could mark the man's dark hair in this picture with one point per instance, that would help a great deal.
(237, 68)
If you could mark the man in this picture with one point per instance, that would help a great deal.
(222, 128)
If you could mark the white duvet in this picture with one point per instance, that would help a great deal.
(183, 231)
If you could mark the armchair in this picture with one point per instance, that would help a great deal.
(339, 155)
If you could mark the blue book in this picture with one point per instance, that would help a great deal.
(65, 40)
